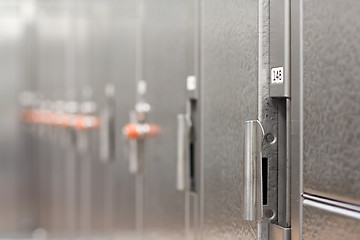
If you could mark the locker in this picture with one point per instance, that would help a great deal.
(16, 172)
(230, 67)
(213, 120)
(122, 73)
(167, 61)
(330, 82)
(50, 75)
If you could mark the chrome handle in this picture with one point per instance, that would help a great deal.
(183, 161)
(133, 149)
(107, 129)
(254, 135)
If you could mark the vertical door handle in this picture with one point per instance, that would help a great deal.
(183, 154)
(107, 130)
(133, 149)
(253, 140)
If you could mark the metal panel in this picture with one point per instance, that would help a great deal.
(327, 222)
(229, 74)
(165, 62)
(331, 96)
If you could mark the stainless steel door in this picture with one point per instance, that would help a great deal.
(230, 97)
(53, 83)
(166, 51)
(331, 96)
(122, 74)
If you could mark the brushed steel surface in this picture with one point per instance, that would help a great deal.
(331, 56)
(229, 74)
(323, 221)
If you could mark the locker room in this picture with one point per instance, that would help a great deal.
(180, 119)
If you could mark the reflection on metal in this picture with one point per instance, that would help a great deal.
(253, 188)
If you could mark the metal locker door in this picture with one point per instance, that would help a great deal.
(54, 82)
(331, 134)
(122, 73)
(99, 58)
(165, 68)
(230, 97)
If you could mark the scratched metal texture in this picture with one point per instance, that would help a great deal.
(324, 225)
(331, 58)
(229, 74)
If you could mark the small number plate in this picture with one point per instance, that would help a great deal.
(277, 75)
(191, 83)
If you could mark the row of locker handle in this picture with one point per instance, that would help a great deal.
(86, 122)
(138, 130)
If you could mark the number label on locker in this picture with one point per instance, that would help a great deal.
(277, 75)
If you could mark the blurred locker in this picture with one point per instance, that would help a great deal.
(55, 81)
(18, 201)
(167, 60)
(122, 72)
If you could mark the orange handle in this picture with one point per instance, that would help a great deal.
(79, 122)
(139, 131)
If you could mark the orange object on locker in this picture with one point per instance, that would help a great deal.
(83, 122)
(138, 131)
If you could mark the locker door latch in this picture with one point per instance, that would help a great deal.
(107, 128)
(185, 148)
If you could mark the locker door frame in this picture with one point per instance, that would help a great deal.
(296, 138)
